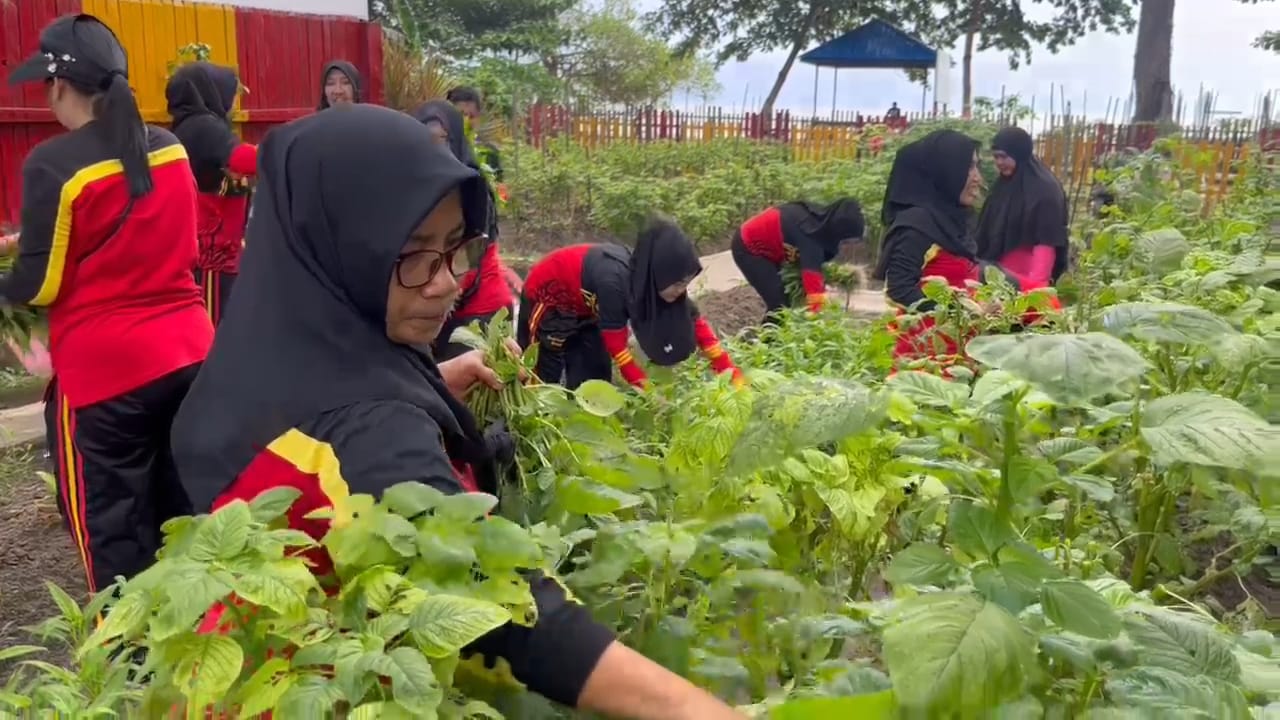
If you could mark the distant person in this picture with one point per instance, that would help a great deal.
(578, 301)
(894, 113)
(471, 105)
(483, 289)
(108, 244)
(797, 233)
(200, 97)
(340, 84)
(1023, 225)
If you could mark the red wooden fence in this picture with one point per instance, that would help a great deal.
(279, 56)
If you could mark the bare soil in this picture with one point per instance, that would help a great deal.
(731, 311)
(36, 546)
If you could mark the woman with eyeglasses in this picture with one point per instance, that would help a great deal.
(107, 244)
(483, 290)
(578, 302)
(200, 97)
(314, 383)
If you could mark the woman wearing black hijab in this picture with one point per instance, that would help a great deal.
(484, 290)
(1023, 225)
(107, 244)
(201, 96)
(340, 84)
(355, 245)
(577, 302)
(932, 188)
(798, 233)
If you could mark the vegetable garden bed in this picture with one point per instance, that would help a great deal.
(1052, 524)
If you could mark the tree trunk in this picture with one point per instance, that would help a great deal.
(1151, 61)
(766, 112)
(802, 37)
(966, 71)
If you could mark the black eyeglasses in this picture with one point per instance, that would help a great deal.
(418, 268)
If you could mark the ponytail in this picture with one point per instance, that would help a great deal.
(116, 113)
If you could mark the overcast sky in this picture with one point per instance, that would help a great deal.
(1211, 46)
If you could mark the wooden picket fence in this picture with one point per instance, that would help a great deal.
(1071, 146)
(842, 135)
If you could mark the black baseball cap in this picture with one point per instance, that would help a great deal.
(76, 47)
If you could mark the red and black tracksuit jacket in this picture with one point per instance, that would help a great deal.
(582, 283)
(370, 446)
(764, 236)
(223, 204)
(127, 329)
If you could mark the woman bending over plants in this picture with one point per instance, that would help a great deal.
(483, 291)
(577, 302)
(314, 384)
(927, 204)
(200, 97)
(797, 233)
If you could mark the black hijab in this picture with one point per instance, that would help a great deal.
(346, 68)
(1028, 208)
(923, 193)
(200, 96)
(662, 258)
(339, 194)
(825, 225)
(444, 112)
(201, 88)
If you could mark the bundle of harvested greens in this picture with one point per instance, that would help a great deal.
(848, 278)
(494, 340)
(17, 322)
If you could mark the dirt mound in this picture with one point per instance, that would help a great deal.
(729, 311)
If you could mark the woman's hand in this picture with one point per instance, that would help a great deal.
(465, 371)
(9, 244)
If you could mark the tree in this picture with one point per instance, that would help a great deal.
(469, 28)
(740, 28)
(1152, 59)
(611, 58)
(1003, 25)
(1269, 40)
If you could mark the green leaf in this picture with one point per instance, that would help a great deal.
(223, 534)
(921, 564)
(312, 696)
(1166, 322)
(1069, 368)
(505, 545)
(124, 619)
(976, 531)
(444, 624)
(579, 496)
(600, 398)
(411, 499)
(265, 687)
(17, 651)
(273, 503)
(951, 653)
(873, 706)
(282, 586)
(1079, 608)
(206, 665)
(927, 389)
(466, 507)
(413, 684)
(1160, 251)
(1203, 429)
(1182, 644)
(1167, 693)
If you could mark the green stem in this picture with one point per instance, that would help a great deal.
(1009, 443)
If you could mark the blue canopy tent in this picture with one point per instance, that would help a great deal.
(875, 44)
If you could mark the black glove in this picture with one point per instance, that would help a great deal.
(499, 442)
